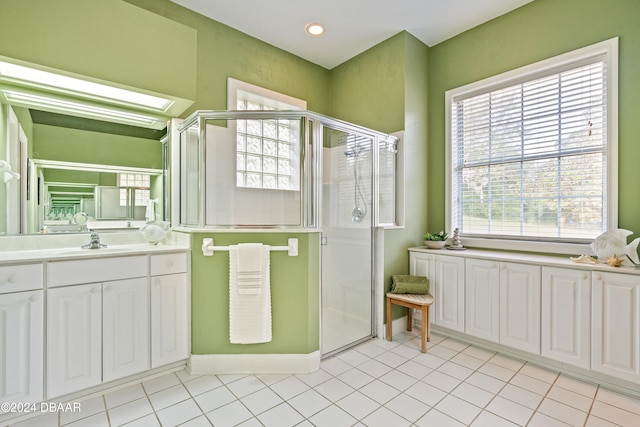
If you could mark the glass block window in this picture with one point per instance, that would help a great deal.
(267, 151)
(142, 185)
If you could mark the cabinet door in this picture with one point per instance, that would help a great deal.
(566, 315)
(125, 328)
(420, 264)
(448, 281)
(615, 346)
(482, 290)
(169, 319)
(21, 329)
(520, 306)
(74, 338)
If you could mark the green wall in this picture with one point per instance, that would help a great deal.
(81, 146)
(539, 30)
(368, 90)
(295, 290)
(106, 40)
(224, 52)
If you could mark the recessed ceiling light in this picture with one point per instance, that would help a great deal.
(314, 29)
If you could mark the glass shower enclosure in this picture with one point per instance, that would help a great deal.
(293, 170)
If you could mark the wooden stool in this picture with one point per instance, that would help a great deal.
(411, 301)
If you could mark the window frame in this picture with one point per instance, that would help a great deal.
(608, 51)
(126, 176)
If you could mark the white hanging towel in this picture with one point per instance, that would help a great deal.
(150, 212)
(249, 294)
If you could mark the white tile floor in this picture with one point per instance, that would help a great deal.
(378, 383)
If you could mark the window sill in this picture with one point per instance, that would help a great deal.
(529, 246)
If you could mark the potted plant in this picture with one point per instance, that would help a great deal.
(435, 240)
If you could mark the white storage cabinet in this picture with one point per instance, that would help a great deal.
(566, 315)
(169, 309)
(97, 322)
(446, 284)
(21, 326)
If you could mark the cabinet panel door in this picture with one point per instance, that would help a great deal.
(420, 264)
(482, 290)
(21, 353)
(566, 315)
(615, 348)
(125, 329)
(520, 306)
(74, 338)
(449, 294)
(169, 319)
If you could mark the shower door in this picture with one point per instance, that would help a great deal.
(347, 291)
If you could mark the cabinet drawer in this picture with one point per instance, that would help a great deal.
(168, 264)
(14, 278)
(95, 270)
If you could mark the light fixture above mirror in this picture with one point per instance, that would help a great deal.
(83, 88)
(50, 90)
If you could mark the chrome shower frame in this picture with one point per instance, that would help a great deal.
(312, 126)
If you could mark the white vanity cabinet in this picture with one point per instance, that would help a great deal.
(169, 309)
(97, 327)
(125, 328)
(21, 326)
(616, 325)
(482, 297)
(502, 303)
(421, 264)
(448, 275)
(446, 284)
(580, 318)
(566, 315)
(520, 306)
(74, 338)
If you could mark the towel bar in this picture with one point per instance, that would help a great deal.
(208, 248)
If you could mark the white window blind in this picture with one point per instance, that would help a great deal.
(529, 160)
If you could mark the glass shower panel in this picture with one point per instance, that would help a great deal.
(189, 175)
(387, 182)
(347, 239)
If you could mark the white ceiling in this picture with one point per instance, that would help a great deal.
(352, 26)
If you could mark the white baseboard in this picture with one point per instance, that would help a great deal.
(207, 364)
(398, 325)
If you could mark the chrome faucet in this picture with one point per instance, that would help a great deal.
(95, 242)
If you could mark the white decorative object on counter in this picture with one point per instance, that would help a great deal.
(583, 259)
(156, 232)
(614, 242)
(456, 244)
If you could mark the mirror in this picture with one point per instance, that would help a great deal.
(75, 197)
(81, 173)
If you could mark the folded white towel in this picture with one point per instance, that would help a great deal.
(249, 313)
(250, 268)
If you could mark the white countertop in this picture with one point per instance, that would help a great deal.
(59, 254)
(529, 258)
(39, 248)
